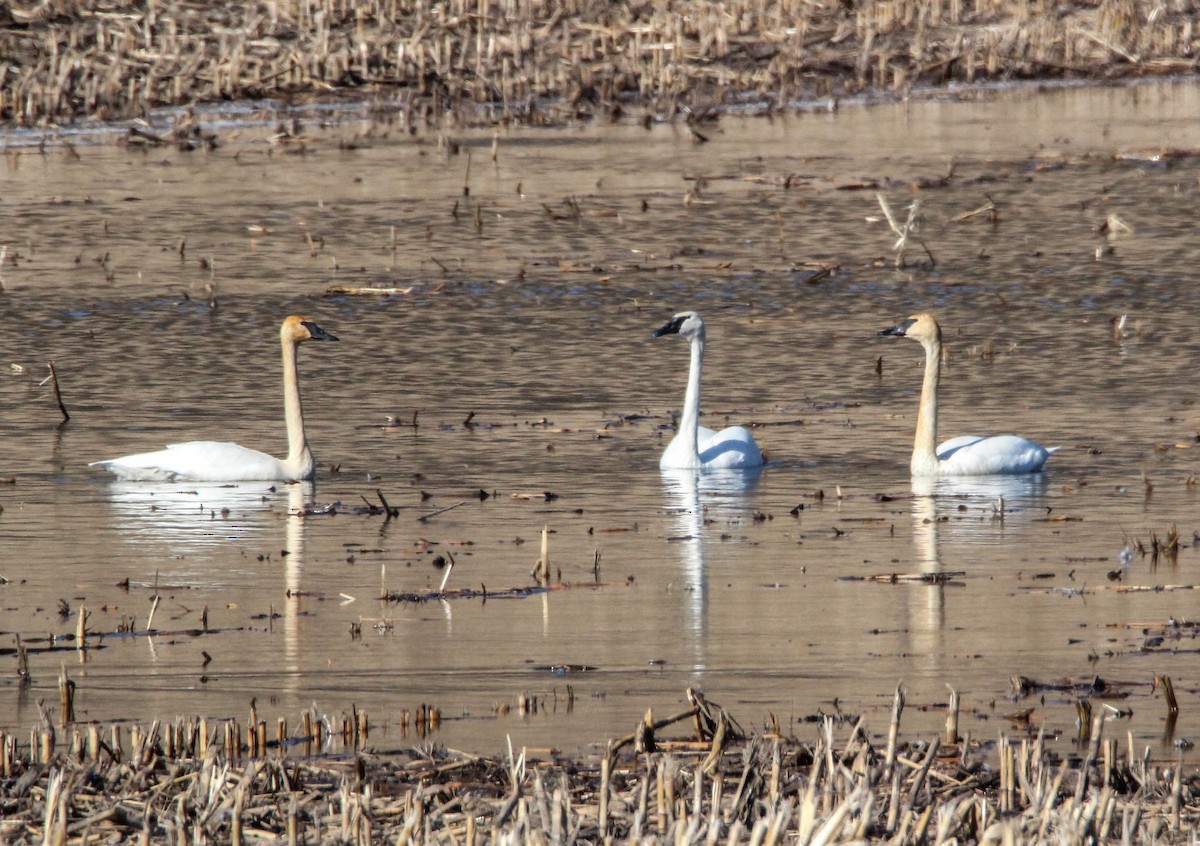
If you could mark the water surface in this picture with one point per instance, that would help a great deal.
(156, 281)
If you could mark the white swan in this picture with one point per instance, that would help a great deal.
(219, 461)
(695, 447)
(966, 455)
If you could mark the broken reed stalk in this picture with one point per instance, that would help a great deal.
(66, 696)
(902, 232)
(1089, 761)
(57, 392)
(388, 511)
(951, 735)
(153, 608)
(22, 661)
(602, 811)
(81, 619)
(1168, 693)
(889, 762)
(541, 569)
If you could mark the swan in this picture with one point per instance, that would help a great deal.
(695, 447)
(219, 461)
(966, 455)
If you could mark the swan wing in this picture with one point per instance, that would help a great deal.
(947, 448)
(970, 455)
(728, 449)
(198, 461)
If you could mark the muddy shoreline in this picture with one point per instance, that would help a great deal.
(545, 62)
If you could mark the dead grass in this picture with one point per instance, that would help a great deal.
(553, 60)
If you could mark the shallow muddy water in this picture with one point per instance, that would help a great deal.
(529, 304)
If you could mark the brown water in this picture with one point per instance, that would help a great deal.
(536, 316)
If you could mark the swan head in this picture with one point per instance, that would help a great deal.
(921, 327)
(686, 323)
(297, 328)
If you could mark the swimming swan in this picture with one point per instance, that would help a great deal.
(218, 461)
(695, 447)
(967, 455)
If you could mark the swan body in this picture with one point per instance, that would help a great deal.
(221, 461)
(966, 455)
(697, 447)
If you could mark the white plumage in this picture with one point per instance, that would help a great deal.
(221, 461)
(966, 455)
(697, 447)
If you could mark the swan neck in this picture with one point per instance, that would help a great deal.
(299, 460)
(924, 457)
(689, 422)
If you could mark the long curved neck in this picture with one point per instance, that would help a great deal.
(299, 461)
(689, 421)
(924, 456)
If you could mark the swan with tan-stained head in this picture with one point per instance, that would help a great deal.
(221, 461)
(966, 455)
(697, 447)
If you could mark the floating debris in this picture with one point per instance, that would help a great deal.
(944, 577)
(521, 592)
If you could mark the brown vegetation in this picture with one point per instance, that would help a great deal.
(197, 781)
(544, 60)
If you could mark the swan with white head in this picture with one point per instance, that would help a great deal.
(966, 455)
(696, 447)
(221, 461)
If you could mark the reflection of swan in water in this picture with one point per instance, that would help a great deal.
(927, 603)
(299, 498)
(994, 494)
(985, 497)
(694, 446)
(194, 514)
(220, 461)
(202, 519)
(690, 497)
(966, 455)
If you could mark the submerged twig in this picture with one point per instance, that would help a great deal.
(433, 514)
